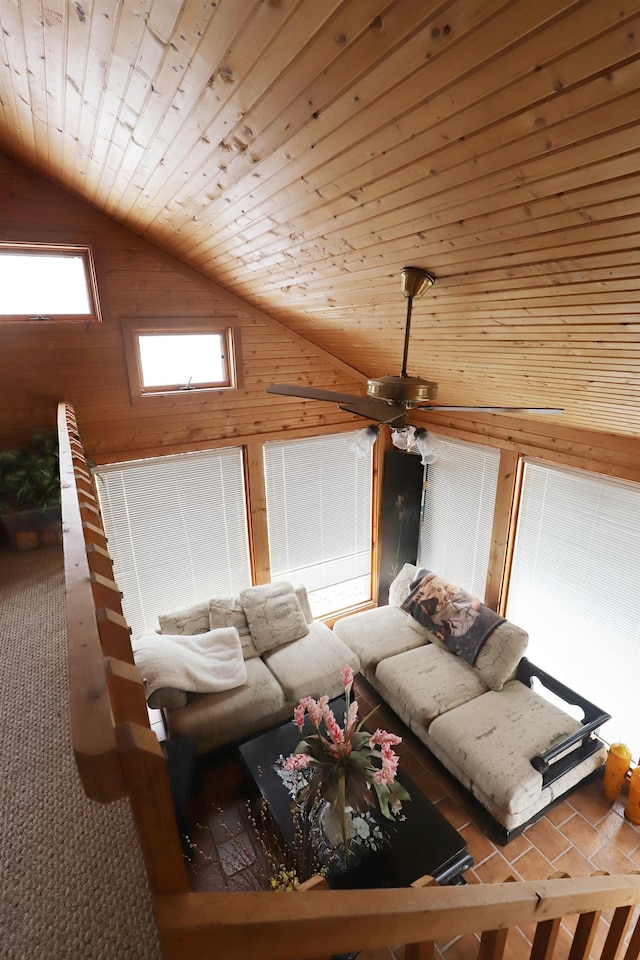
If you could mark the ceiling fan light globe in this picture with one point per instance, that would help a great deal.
(407, 391)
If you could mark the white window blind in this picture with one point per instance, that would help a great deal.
(177, 531)
(574, 587)
(319, 519)
(457, 514)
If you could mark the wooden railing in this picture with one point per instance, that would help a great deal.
(117, 755)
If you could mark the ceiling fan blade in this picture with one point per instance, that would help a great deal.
(429, 406)
(312, 393)
(376, 410)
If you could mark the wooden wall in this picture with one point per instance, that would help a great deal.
(84, 364)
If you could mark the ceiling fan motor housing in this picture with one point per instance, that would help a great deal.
(404, 390)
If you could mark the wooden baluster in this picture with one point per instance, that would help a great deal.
(586, 929)
(426, 949)
(105, 592)
(494, 942)
(546, 935)
(145, 774)
(115, 635)
(622, 917)
(314, 883)
(99, 560)
(633, 949)
(93, 533)
(126, 692)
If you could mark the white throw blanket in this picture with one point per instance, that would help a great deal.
(206, 662)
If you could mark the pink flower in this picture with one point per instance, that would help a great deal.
(387, 773)
(352, 716)
(316, 710)
(380, 737)
(296, 761)
(300, 710)
(333, 728)
(347, 678)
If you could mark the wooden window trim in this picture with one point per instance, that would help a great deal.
(229, 327)
(59, 249)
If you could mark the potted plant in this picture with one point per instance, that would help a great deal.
(30, 491)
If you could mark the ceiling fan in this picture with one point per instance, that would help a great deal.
(389, 398)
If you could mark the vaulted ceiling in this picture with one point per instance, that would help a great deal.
(301, 152)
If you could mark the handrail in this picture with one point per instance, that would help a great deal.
(265, 926)
(92, 729)
(117, 754)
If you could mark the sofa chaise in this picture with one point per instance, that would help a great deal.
(511, 747)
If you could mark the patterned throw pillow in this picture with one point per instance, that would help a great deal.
(187, 621)
(229, 612)
(274, 615)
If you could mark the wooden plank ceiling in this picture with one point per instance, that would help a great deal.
(301, 152)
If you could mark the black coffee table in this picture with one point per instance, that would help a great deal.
(423, 844)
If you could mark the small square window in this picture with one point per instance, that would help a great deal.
(182, 361)
(47, 282)
(165, 357)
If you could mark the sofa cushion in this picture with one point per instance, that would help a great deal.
(488, 745)
(187, 621)
(274, 615)
(229, 612)
(427, 681)
(213, 719)
(376, 634)
(310, 667)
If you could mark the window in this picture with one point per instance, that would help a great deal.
(457, 515)
(167, 356)
(43, 282)
(574, 586)
(319, 504)
(177, 531)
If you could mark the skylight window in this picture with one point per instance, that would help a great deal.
(47, 282)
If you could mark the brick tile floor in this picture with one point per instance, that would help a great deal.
(580, 836)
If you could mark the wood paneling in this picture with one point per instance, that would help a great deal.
(301, 152)
(85, 363)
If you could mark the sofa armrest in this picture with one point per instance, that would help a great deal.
(558, 759)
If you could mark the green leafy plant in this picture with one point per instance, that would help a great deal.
(30, 478)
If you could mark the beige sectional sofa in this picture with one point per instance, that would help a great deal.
(287, 655)
(512, 748)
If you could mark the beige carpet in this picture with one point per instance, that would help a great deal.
(72, 881)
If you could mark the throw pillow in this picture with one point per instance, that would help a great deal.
(187, 621)
(228, 612)
(168, 698)
(274, 615)
(303, 597)
(399, 586)
(500, 654)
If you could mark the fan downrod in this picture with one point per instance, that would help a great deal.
(407, 391)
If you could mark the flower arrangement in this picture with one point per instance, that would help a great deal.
(349, 767)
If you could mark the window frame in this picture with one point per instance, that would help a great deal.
(61, 250)
(290, 573)
(532, 525)
(476, 557)
(132, 328)
(177, 478)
